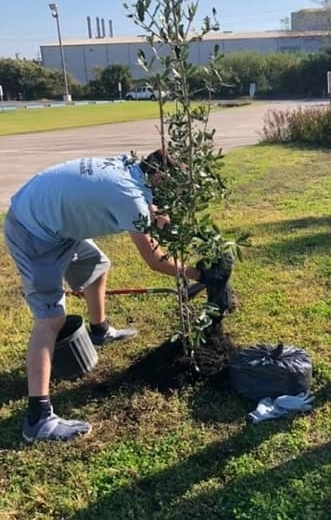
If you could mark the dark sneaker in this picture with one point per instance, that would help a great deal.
(112, 334)
(53, 428)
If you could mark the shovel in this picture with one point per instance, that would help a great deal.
(192, 290)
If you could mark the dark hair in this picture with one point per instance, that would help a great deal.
(156, 161)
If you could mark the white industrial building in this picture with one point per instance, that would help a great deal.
(82, 57)
(318, 19)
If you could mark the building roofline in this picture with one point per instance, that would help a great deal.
(209, 37)
(313, 10)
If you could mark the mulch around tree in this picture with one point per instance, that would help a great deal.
(167, 366)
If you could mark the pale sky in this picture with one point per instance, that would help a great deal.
(26, 25)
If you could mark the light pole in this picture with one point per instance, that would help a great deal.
(55, 14)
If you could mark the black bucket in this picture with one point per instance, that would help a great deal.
(74, 353)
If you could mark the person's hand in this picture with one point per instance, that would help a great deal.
(162, 220)
(219, 270)
(207, 276)
(216, 278)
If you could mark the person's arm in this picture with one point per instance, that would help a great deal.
(161, 220)
(146, 247)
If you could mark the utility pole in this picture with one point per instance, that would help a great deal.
(55, 14)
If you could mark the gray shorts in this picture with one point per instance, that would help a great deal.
(44, 266)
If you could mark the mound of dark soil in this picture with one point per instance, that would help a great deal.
(167, 367)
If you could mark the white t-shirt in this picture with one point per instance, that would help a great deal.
(83, 198)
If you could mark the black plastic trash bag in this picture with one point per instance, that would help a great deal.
(269, 371)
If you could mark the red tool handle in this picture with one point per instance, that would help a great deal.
(193, 290)
(143, 290)
(135, 290)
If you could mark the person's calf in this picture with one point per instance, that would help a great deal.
(40, 353)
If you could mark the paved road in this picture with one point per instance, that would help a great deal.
(22, 155)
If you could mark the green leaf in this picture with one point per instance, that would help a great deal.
(244, 240)
(140, 10)
(239, 254)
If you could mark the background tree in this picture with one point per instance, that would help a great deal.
(313, 72)
(276, 75)
(105, 86)
(27, 80)
(282, 75)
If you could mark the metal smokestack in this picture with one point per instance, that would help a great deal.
(111, 34)
(98, 27)
(89, 27)
(103, 29)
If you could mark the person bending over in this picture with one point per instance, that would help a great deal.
(49, 231)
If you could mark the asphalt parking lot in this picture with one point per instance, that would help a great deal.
(23, 155)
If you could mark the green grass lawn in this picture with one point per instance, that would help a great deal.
(190, 455)
(24, 120)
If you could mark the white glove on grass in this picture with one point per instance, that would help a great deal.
(282, 405)
(265, 410)
(300, 402)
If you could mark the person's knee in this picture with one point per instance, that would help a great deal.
(105, 274)
(82, 274)
(49, 325)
